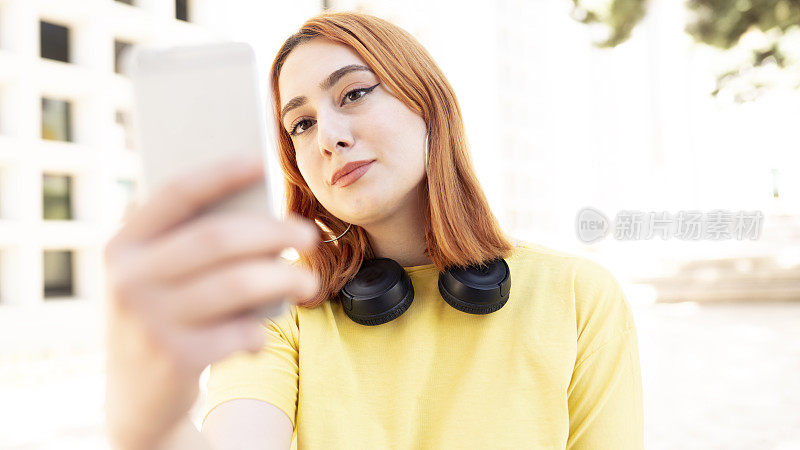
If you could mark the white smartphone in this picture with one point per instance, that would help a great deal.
(196, 105)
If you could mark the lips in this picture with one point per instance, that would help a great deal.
(348, 168)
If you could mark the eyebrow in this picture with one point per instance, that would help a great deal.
(326, 84)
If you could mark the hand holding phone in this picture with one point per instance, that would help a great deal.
(189, 273)
(179, 291)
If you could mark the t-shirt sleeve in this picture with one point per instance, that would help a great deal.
(270, 375)
(605, 392)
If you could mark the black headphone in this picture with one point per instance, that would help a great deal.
(381, 290)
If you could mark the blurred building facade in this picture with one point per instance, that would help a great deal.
(68, 170)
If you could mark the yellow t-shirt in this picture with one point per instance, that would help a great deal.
(556, 367)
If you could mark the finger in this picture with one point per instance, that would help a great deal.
(189, 193)
(215, 239)
(216, 341)
(237, 288)
(207, 344)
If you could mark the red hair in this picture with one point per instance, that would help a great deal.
(460, 228)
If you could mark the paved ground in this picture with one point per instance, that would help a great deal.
(715, 377)
(721, 376)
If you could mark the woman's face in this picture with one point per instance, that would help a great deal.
(337, 111)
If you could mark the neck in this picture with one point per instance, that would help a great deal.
(401, 235)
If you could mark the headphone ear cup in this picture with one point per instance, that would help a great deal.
(380, 292)
(477, 289)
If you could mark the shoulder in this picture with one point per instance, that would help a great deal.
(593, 290)
(587, 275)
(532, 259)
(603, 314)
(594, 296)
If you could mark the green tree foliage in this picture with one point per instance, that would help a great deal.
(717, 23)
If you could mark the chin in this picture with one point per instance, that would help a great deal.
(366, 207)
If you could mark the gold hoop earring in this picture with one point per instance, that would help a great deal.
(337, 237)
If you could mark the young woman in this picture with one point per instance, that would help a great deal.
(374, 153)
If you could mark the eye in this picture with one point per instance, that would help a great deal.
(354, 96)
(357, 94)
(293, 131)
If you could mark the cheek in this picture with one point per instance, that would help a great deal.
(309, 169)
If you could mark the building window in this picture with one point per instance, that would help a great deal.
(120, 47)
(1, 274)
(126, 196)
(56, 120)
(124, 136)
(3, 191)
(58, 273)
(182, 10)
(57, 197)
(54, 41)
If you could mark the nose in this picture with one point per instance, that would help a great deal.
(333, 133)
